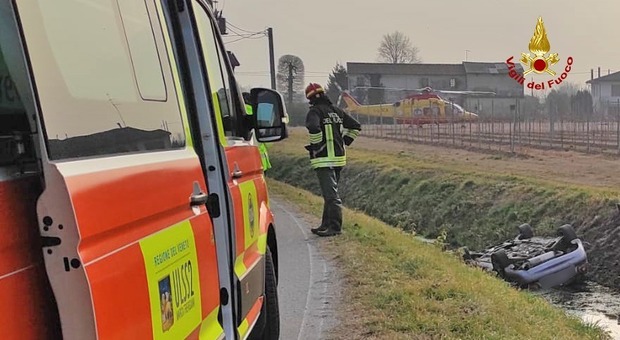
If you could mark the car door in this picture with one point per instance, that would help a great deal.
(24, 290)
(130, 245)
(245, 179)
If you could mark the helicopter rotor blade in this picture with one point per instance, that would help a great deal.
(428, 90)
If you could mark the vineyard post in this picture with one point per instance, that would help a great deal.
(588, 132)
(618, 125)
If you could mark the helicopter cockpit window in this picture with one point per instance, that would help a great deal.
(457, 109)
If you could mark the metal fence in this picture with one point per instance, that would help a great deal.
(594, 133)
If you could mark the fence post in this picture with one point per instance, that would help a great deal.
(561, 130)
(618, 125)
(588, 132)
(493, 123)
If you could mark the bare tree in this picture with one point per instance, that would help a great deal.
(396, 48)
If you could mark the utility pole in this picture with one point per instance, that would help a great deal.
(272, 62)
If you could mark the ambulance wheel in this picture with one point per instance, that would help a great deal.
(268, 323)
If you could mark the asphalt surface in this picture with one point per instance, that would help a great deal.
(308, 289)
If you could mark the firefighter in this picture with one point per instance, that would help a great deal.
(262, 148)
(331, 130)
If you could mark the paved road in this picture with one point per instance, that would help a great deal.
(308, 288)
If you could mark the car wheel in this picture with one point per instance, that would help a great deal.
(269, 318)
(500, 260)
(567, 232)
(525, 232)
(567, 235)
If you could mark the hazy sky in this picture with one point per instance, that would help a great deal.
(323, 32)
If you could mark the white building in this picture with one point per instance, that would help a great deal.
(606, 93)
(466, 76)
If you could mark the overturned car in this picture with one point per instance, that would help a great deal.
(534, 262)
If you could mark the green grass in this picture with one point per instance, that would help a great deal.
(397, 287)
(474, 209)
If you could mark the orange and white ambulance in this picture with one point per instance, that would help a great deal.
(132, 199)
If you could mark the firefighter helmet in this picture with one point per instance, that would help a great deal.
(313, 90)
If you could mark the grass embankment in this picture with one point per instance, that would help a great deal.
(474, 208)
(398, 287)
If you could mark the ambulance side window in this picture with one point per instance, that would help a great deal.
(99, 77)
(222, 94)
(14, 86)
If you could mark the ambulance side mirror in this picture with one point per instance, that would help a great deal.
(270, 117)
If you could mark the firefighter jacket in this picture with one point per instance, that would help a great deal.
(331, 130)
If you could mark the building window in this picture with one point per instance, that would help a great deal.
(615, 90)
(452, 83)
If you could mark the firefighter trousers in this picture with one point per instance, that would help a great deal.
(332, 206)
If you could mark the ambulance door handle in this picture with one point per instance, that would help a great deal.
(199, 199)
(237, 173)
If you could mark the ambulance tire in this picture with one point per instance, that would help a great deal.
(269, 319)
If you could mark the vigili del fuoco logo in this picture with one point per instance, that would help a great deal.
(539, 61)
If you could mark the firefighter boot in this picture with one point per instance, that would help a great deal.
(324, 220)
(318, 230)
(328, 232)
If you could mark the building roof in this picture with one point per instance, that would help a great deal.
(432, 69)
(406, 69)
(489, 67)
(614, 77)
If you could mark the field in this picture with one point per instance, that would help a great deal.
(562, 167)
(509, 136)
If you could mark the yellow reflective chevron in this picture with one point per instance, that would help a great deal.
(243, 328)
(210, 328)
(240, 267)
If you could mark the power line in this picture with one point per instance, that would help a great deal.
(248, 34)
(254, 36)
(239, 28)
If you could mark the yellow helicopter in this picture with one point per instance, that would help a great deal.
(424, 106)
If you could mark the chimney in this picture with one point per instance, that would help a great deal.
(599, 71)
(591, 74)
(608, 71)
